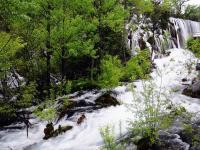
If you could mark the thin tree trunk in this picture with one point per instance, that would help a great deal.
(48, 54)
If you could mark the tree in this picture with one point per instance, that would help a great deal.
(192, 13)
(178, 6)
(9, 45)
(111, 72)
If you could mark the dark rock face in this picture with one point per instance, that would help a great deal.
(193, 90)
(107, 100)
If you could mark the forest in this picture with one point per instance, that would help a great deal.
(55, 53)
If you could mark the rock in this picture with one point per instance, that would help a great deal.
(184, 80)
(198, 67)
(143, 144)
(73, 107)
(142, 44)
(154, 66)
(168, 141)
(167, 53)
(193, 90)
(81, 119)
(64, 128)
(194, 80)
(48, 131)
(107, 100)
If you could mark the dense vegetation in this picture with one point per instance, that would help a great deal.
(194, 45)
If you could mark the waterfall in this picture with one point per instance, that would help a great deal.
(184, 30)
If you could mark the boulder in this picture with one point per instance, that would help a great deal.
(107, 100)
(50, 132)
(193, 90)
(169, 141)
(184, 80)
(61, 129)
(81, 119)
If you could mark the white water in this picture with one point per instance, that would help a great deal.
(185, 29)
(87, 136)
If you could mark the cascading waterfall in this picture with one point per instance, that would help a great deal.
(184, 29)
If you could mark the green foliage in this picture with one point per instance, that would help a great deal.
(138, 66)
(9, 45)
(151, 115)
(47, 114)
(28, 95)
(194, 46)
(6, 110)
(111, 72)
(107, 134)
(192, 12)
(46, 111)
(142, 7)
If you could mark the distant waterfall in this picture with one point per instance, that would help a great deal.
(181, 30)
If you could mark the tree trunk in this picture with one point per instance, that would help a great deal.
(48, 54)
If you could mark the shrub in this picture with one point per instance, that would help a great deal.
(151, 116)
(111, 72)
(107, 134)
(109, 139)
(194, 46)
(138, 66)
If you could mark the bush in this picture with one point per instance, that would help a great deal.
(111, 72)
(109, 139)
(192, 12)
(151, 116)
(194, 46)
(138, 66)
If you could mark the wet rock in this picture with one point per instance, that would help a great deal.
(194, 80)
(74, 107)
(168, 141)
(143, 144)
(198, 67)
(142, 44)
(151, 40)
(107, 100)
(48, 131)
(61, 130)
(154, 66)
(81, 119)
(184, 80)
(193, 90)
(167, 53)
